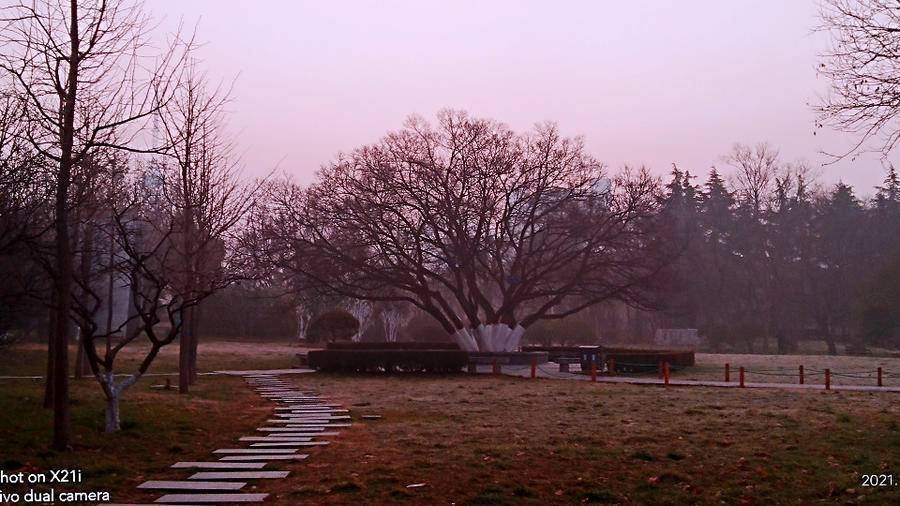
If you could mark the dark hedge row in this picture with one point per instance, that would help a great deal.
(406, 345)
(383, 360)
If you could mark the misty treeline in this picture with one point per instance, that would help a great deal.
(773, 258)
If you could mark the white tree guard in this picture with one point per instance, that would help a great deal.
(491, 337)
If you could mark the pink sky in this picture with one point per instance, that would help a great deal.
(644, 82)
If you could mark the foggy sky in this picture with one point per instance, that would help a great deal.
(645, 82)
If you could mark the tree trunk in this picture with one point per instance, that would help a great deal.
(184, 354)
(80, 362)
(113, 421)
(829, 339)
(48, 387)
(195, 340)
(81, 366)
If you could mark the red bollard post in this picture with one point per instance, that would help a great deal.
(496, 367)
(533, 368)
(594, 371)
(879, 378)
(741, 376)
(827, 379)
(801, 374)
(666, 373)
(612, 367)
(727, 372)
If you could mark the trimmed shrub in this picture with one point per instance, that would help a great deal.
(333, 325)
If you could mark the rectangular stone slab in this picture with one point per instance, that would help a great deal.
(192, 485)
(278, 429)
(239, 475)
(322, 407)
(219, 465)
(288, 443)
(275, 438)
(318, 410)
(311, 416)
(304, 433)
(251, 458)
(318, 426)
(238, 451)
(211, 498)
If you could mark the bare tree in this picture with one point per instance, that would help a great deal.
(862, 65)
(393, 317)
(83, 67)
(204, 189)
(486, 230)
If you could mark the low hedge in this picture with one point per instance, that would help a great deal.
(626, 359)
(402, 345)
(387, 360)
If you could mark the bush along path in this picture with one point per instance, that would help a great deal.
(301, 420)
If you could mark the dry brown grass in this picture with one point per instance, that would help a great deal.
(488, 440)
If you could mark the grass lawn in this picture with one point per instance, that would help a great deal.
(480, 439)
(487, 440)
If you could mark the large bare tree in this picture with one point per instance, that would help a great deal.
(88, 77)
(862, 65)
(484, 229)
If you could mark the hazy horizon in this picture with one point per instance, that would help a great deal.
(648, 83)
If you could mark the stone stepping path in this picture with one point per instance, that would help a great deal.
(300, 416)
(239, 475)
(192, 485)
(210, 498)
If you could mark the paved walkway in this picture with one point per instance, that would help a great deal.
(300, 420)
(550, 370)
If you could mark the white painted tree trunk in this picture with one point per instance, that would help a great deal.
(391, 318)
(113, 396)
(361, 310)
(303, 317)
(491, 337)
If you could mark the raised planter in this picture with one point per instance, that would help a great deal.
(388, 360)
(398, 345)
(509, 357)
